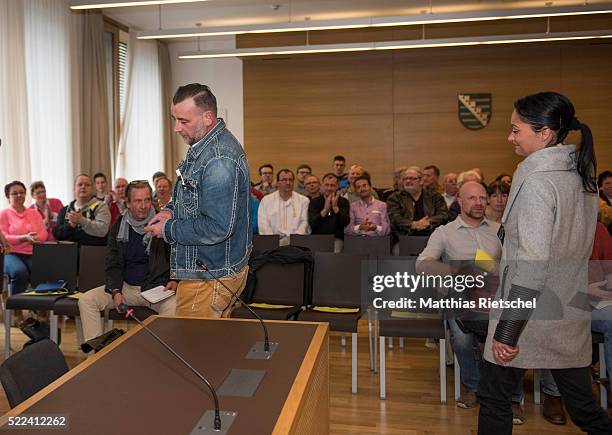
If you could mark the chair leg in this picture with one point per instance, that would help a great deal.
(382, 377)
(53, 335)
(343, 340)
(354, 363)
(8, 314)
(401, 342)
(79, 331)
(369, 312)
(602, 375)
(536, 386)
(457, 370)
(375, 337)
(110, 325)
(390, 345)
(442, 370)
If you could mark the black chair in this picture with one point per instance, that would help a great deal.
(314, 242)
(337, 283)
(265, 242)
(415, 323)
(50, 262)
(30, 370)
(277, 284)
(372, 246)
(412, 246)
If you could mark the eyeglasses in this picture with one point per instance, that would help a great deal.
(18, 193)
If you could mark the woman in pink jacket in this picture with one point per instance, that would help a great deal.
(48, 208)
(21, 227)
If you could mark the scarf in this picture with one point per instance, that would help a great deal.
(129, 221)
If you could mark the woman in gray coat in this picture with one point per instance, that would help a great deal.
(549, 225)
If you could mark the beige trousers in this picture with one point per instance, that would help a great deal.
(96, 300)
(208, 298)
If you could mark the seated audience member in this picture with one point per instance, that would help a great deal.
(414, 211)
(100, 186)
(163, 190)
(313, 187)
(351, 194)
(497, 192)
(450, 188)
(283, 212)
(21, 227)
(302, 172)
(464, 177)
(505, 178)
(265, 185)
(397, 183)
(157, 175)
(85, 220)
(254, 211)
(257, 193)
(431, 178)
(117, 195)
(48, 208)
(135, 262)
(368, 216)
(339, 166)
(604, 182)
(329, 214)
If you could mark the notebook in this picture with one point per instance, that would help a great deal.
(157, 294)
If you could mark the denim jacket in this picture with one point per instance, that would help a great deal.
(211, 209)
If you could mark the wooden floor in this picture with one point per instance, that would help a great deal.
(412, 406)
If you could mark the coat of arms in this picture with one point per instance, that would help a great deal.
(474, 110)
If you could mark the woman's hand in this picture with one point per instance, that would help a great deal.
(503, 353)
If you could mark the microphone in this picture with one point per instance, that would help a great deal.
(129, 313)
(234, 294)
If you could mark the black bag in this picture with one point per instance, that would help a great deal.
(37, 331)
(98, 343)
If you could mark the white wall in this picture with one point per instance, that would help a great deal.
(223, 76)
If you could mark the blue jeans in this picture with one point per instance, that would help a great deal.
(468, 353)
(548, 384)
(18, 268)
(601, 321)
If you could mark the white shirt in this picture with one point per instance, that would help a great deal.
(448, 198)
(276, 216)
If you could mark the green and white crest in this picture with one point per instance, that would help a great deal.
(474, 110)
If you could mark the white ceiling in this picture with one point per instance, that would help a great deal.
(240, 12)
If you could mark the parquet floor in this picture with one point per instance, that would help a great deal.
(412, 406)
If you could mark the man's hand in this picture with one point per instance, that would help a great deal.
(503, 353)
(327, 205)
(156, 225)
(334, 201)
(118, 299)
(367, 226)
(74, 218)
(172, 286)
(421, 224)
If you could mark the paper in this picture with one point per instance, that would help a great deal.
(157, 294)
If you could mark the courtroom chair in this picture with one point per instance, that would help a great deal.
(365, 245)
(412, 246)
(314, 242)
(413, 323)
(337, 285)
(51, 261)
(280, 287)
(30, 370)
(265, 242)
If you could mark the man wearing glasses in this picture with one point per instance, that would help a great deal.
(207, 223)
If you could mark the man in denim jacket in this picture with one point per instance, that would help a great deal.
(207, 223)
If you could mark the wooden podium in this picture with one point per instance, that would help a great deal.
(137, 386)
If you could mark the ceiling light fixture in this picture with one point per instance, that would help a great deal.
(399, 45)
(408, 20)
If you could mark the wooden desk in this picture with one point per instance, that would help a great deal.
(136, 386)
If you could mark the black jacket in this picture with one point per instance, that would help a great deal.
(159, 262)
(333, 223)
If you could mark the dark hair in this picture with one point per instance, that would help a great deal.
(303, 166)
(328, 175)
(99, 175)
(137, 184)
(201, 94)
(35, 185)
(8, 187)
(266, 165)
(82, 175)
(602, 177)
(500, 176)
(340, 158)
(498, 186)
(364, 177)
(158, 174)
(162, 178)
(556, 111)
(435, 169)
(284, 170)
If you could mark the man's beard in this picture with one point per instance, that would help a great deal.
(475, 214)
(197, 136)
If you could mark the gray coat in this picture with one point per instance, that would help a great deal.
(549, 223)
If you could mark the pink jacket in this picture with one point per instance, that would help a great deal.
(16, 225)
(55, 206)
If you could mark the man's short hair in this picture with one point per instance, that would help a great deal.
(201, 94)
(340, 158)
(330, 175)
(36, 185)
(158, 174)
(461, 177)
(416, 169)
(7, 188)
(81, 175)
(435, 169)
(498, 186)
(284, 171)
(266, 165)
(137, 184)
(602, 177)
(163, 178)
(99, 175)
(366, 177)
(303, 166)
